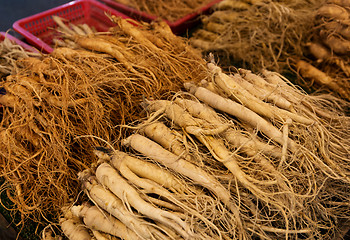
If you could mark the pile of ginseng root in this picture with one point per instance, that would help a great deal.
(52, 102)
(326, 66)
(170, 10)
(235, 156)
(256, 34)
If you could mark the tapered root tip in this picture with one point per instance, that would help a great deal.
(77, 210)
(103, 153)
(84, 175)
(289, 121)
(126, 141)
(190, 87)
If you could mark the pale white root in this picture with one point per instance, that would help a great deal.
(122, 161)
(64, 27)
(74, 229)
(138, 174)
(194, 126)
(154, 179)
(205, 113)
(106, 200)
(223, 155)
(197, 109)
(249, 145)
(160, 186)
(275, 78)
(232, 5)
(99, 220)
(270, 80)
(298, 97)
(162, 203)
(48, 234)
(160, 133)
(110, 178)
(273, 82)
(244, 114)
(285, 140)
(240, 94)
(148, 170)
(261, 93)
(156, 152)
(103, 236)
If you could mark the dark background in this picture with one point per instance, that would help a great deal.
(13, 10)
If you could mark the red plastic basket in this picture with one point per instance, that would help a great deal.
(178, 27)
(39, 29)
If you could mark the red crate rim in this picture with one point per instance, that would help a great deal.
(44, 46)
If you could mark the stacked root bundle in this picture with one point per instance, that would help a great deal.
(10, 52)
(147, 197)
(170, 10)
(239, 156)
(90, 90)
(65, 27)
(328, 50)
(256, 33)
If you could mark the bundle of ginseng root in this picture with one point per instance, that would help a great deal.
(90, 90)
(170, 10)
(327, 59)
(240, 156)
(256, 34)
(10, 52)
